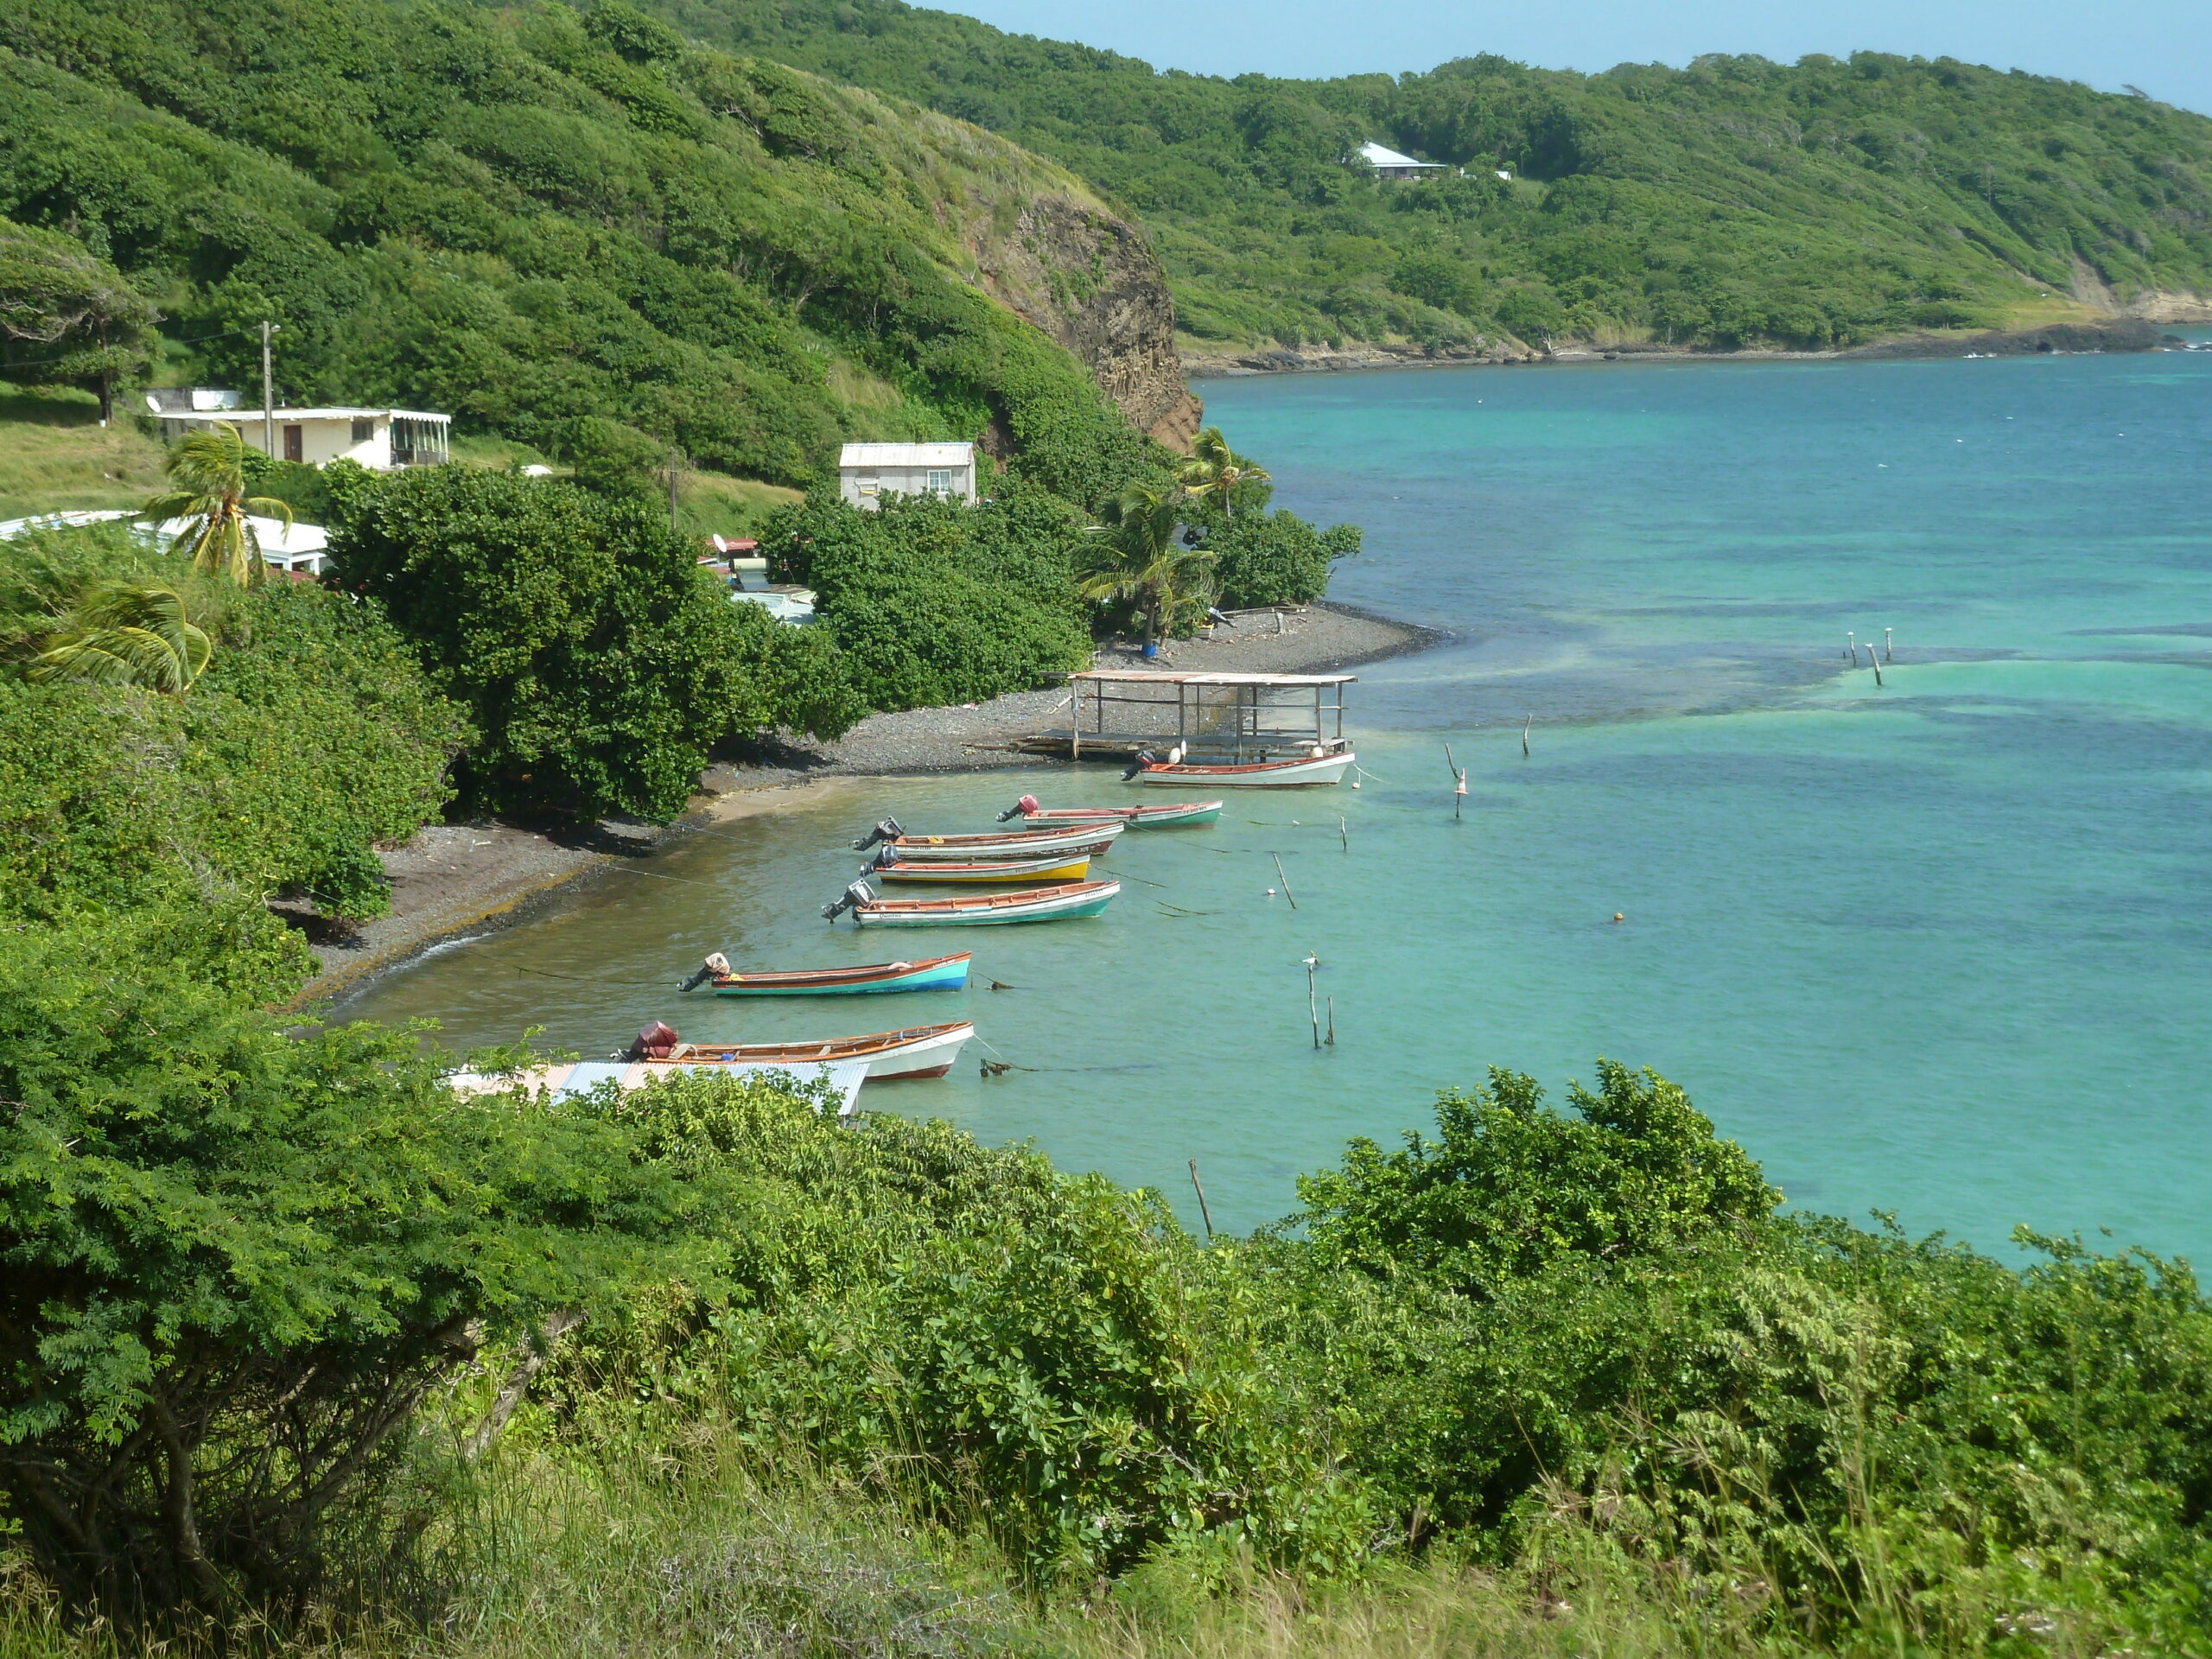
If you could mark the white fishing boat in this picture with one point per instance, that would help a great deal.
(1293, 773)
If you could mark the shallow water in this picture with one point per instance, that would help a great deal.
(1938, 948)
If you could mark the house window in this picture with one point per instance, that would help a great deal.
(295, 448)
(940, 482)
(365, 428)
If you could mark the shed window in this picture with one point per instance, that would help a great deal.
(940, 481)
(365, 428)
(294, 444)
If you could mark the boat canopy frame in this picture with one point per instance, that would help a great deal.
(1247, 717)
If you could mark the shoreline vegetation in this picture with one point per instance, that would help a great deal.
(451, 880)
(1202, 361)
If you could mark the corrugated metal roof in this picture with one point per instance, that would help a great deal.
(246, 416)
(1378, 156)
(1138, 676)
(907, 455)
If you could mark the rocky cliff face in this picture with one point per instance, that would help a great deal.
(1089, 280)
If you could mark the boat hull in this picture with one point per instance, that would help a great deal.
(931, 974)
(1018, 869)
(1071, 841)
(1263, 774)
(1045, 904)
(891, 1056)
(1168, 816)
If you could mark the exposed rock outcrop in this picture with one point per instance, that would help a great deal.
(2122, 334)
(1089, 280)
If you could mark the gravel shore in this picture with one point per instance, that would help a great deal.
(451, 878)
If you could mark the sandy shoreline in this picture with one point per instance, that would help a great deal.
(454, 879)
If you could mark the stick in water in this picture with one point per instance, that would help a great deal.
(1525, 725)
(1285, 880)
(1332, 1038)
(1889, 653)
(1312, 1011)
(1344, 834)
(1204, 1215)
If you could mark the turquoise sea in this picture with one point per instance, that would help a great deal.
(1941, 947)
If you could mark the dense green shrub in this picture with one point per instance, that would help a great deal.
(312, 736)
(600, 664)
(233, 1262)
(936, 603)
(1275, 558)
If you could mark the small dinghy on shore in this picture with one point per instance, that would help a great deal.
(1167, 815)
(1058, 904)
(1068, 841)
(929, 974)
(914, 1052)
(1318, 767)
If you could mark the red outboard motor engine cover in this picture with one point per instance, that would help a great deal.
(656, 1042)
(1027, 804)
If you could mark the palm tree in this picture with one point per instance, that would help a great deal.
(117, 631)
(207, 473)
(1135, 554)
(1216, 469)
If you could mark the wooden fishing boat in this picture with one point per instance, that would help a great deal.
(1067, 840)
(1167, 815)
(1055, 869)
(929, 974)
(982, 909)
(916, 1051)
(1258, 775)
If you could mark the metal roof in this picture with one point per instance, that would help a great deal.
(1378, 156)
(907, 455)
(246, 416)
(1141, 677)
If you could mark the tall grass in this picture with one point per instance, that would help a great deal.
(54, 454)
(703, 1550)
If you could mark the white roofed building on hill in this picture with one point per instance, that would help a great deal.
(382, 440)
(1389, 165)
(869, 471)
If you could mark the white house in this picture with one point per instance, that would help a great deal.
(869, 471)
(380, 439)
(1388, 164)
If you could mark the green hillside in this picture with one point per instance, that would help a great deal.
(1735, 200)
(580, 234)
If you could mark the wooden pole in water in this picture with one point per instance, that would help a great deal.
(1204, 1215)
(1459, 783)
(1525, 725)
(1285, 880)
(1872, 663)
(1851, 648)
(1889, 654)
(1332, 1022)
(1344, 834)
(1313, 1012)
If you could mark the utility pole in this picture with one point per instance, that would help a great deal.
(268, 393)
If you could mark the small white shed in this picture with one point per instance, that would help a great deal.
(382, 440)
(869, 471)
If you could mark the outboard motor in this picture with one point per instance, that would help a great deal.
(1022, 808)
(855, 895)
(889, 830)
(656, 1042)
(715, 967)
(886, 856)
(1143, 759)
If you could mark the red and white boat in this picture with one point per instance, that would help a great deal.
(1063, 841)
(1167, 815)
(1297, 771)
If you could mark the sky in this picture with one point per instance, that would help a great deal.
(2162, 47)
